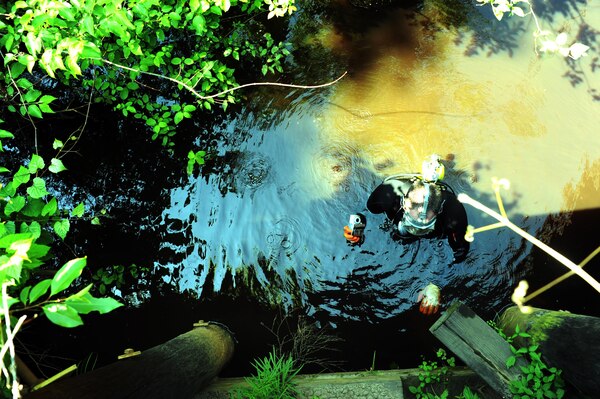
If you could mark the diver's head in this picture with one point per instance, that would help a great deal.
(421, 205)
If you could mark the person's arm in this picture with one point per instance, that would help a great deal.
(387, 197)
(455, 226)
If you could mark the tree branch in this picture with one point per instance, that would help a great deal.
(200, 96)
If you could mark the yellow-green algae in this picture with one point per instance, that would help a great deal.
(537, 323)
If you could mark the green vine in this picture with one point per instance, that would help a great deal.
(538, 380)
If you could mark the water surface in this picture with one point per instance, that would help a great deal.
(274, 211)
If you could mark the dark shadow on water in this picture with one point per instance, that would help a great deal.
(488, 36)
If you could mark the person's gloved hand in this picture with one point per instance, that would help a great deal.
(352, 239)
(430, 299)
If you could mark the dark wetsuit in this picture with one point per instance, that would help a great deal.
(451, 222)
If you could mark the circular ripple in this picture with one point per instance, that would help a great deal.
(253, 171)
(285, 236)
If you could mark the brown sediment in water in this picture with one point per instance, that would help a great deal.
(414, 92)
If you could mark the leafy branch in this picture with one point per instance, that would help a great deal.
(188, 43)
(193, 91)
(556, 45)
(30, 220)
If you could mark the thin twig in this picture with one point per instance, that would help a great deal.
(9, 344)
(561, 278)
(200, 96)
(464, 198)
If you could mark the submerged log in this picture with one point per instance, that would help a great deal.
(567, 341)
(179, 368)
(478, 345)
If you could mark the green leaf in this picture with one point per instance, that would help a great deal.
(47, 99)
(61, 227)
(178, 117)
(50, 208)
(57, 144)
(8, 190)
(34, 111)
(37, 251)
(38, 188)
(36, 163)
(34, 228)
(7, 241)
(67, 274)
(78, 210)
(16, 69)
(5, 134)
(24, 295)
(62, 314)
(199, 157)
(21, 177)
(87, 303)
(95, 221)
(56, 166)
(15, 204)
(31, 95)
(45, 108)
(82, 292)
(9, 41)
(199, 24)
(9, 228)
(510, 362)
(87, 24)
(90, 50)
(39, 289)
(33, 207)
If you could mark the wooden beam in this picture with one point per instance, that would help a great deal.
(478, 345)
(178, 368)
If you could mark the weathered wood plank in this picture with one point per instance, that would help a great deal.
(478, 345)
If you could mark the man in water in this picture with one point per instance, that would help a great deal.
(419, 208)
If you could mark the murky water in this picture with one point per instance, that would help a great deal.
(264, 217)
(491, 108)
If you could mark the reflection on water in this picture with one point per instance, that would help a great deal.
(277, 210)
